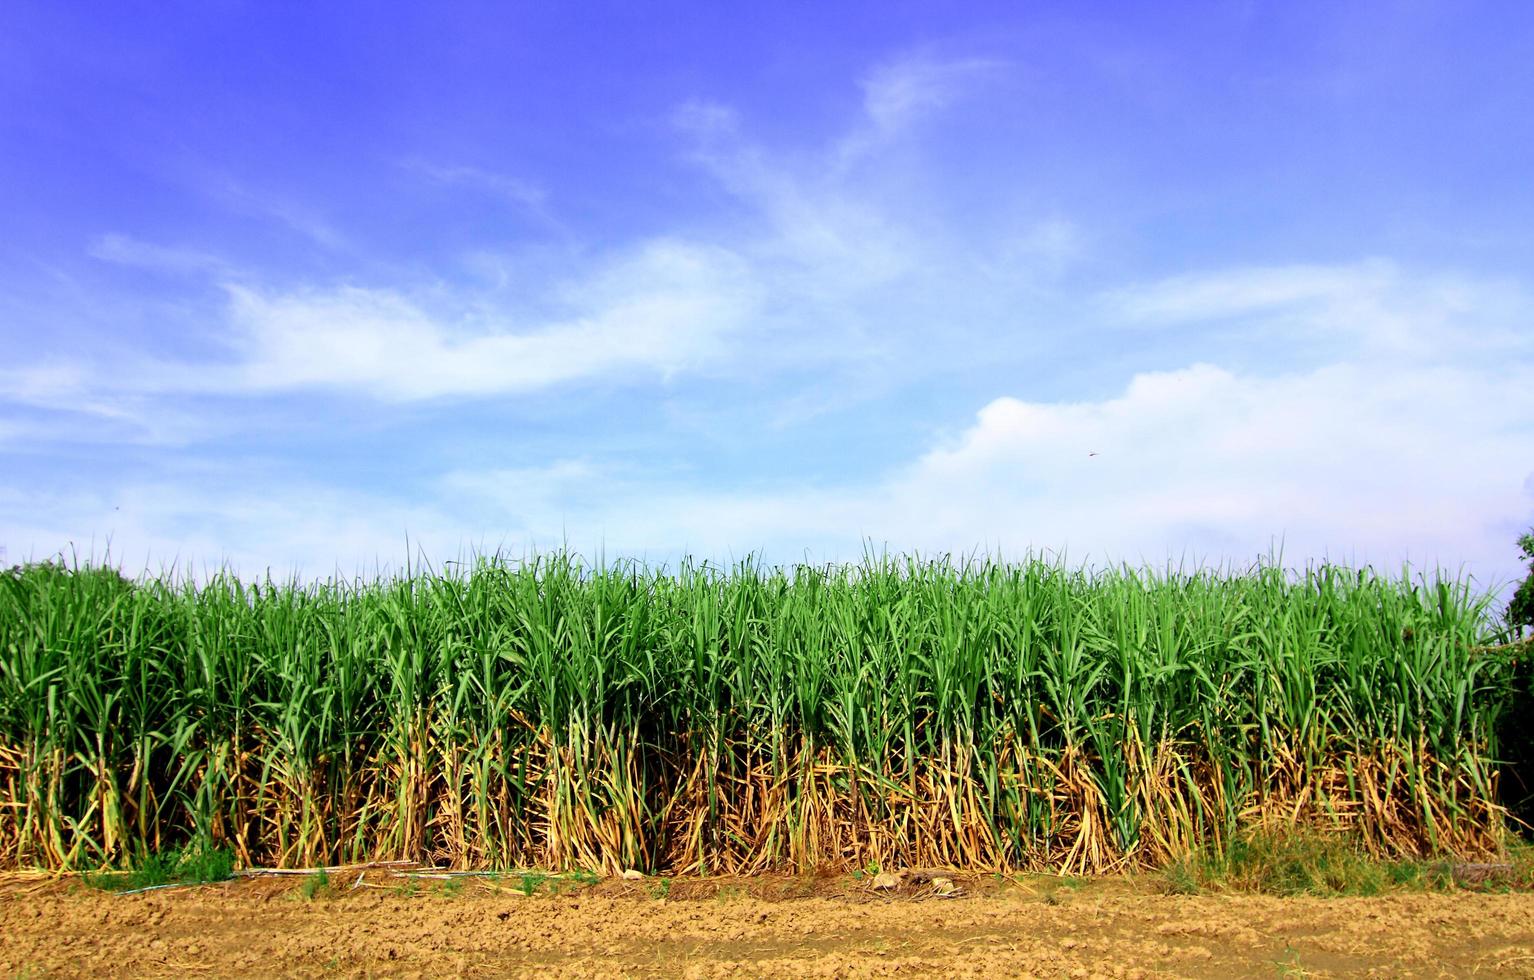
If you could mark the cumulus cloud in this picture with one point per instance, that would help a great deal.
(1340, 460)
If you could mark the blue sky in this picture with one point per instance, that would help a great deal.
(281, 284)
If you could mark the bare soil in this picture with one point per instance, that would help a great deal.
(388, 926)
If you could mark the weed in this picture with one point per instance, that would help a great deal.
(1182, 877)
(532, 881)
(315, 885)
(1299, 862)
(1289, 964)
(200, 865)
(729, 893)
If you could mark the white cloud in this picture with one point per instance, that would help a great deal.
(821, 235)
(1342, 459)
(80, 406)
(1374, 303)
(67, 387)
(664, 307)
(820, 272)
(295, 216)
(1424, 456)
(1227, 293)
(128, 251)
(668, 307)
(527, 196)
(516, 190)
(899, 92)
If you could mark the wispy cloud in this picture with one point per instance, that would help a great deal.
(821, 272)
(62, 386)
(69, 403)
(129, 251)
(1374, 303)
(297, 217)
(649, 313)
(514, 190)
(665, 308)
(817, 232)
(1241, 292)
(525, 196)
(899, 92)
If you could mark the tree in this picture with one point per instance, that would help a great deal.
(1520, 612)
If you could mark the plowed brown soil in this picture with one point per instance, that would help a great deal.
(779, 927)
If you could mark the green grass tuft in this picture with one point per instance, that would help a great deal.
(1301, 862)
(315, 885)
(184, 866)
(532, 881)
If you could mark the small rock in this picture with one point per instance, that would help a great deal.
(631, 875)
(944, 886)
(885, 880)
